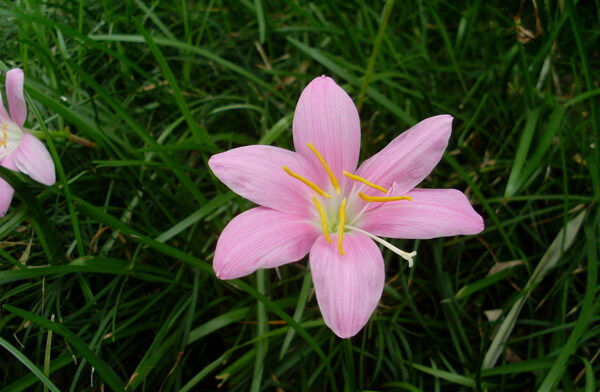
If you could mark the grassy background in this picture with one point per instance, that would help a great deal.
(106, 280)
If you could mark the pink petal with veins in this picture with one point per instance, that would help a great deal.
(256, 173)
(6, 191)
(431, 213)
(32, 158)
(14, 95)
(327, 118)
(348, 287)
(261, 238)
(409, 158)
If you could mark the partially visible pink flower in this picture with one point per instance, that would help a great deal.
(19, 150)
(314, 201)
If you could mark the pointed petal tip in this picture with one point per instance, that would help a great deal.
(14, 94)
(349, 287)
(261, 238)
(15, 72)
(32, 158)
(220, 275)
(345, 334)
(6, 196)
(321, 80)
(324, 85)
(432, 213)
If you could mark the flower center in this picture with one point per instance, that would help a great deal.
(10, 137)
(332, 216)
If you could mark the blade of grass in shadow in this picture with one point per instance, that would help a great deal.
(199, 133)
(445, 375)
(195, 217)
(262, 328)
(561, 243)
(101, 216)
(115, 224)
(27, 381)
(261, 17)
(441, 26)
(90, 264)
(64, 182)
(385, 16)
(200, 51)
(30, 365)
(162, 344)
(519, 161)
(217, 323)
(450, 307)
(484, 201)
(349, 369)
(106, 372)
(293, 324)
(340, 71)
(41, 222)
(154, 18)
(139, 131)
(590, 381)
(302, 299)
(48, 353)
(588, 310)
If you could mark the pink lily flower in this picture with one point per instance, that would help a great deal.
(19, 150)
(314, 201)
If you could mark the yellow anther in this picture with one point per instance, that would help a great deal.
(366, 182)
(311, 184)
(342, 224)
(4, 135)
(378, 199)
(323, 219)
(332, 178)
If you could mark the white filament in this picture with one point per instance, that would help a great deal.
(405, 255)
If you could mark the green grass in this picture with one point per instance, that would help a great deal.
(106, 278)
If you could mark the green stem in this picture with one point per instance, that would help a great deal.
(62, 135)
(262, 329)
(349, 367)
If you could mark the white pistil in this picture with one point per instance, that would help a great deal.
(405, 255)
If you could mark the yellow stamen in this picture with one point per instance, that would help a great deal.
(323, 219)
(366, 182)
(332, 178)
(378, 199)
(4, 135)
(342, 224)
(311, 184)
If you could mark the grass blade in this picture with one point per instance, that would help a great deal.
(30, 365)
(105, 371)
(561, 243)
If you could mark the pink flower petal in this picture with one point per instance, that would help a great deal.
(410, 157)
(32, 158)
(6, 191)
(348, 287)
(261, 238)
(14, 95)
(256, 173)
(431, 213)
(327, 118)
(4, 117)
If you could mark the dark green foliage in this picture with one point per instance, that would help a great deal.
(106, 278)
